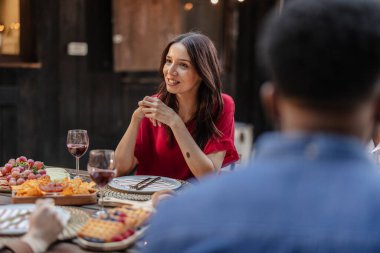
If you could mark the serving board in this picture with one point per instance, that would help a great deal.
(73, 200)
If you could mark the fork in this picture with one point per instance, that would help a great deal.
(136, 186)
(141, 186)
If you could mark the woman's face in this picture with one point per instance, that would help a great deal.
(179, 72)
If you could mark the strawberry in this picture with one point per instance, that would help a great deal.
(38, 165)
(117, 238)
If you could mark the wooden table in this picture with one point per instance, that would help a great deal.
(67, 246)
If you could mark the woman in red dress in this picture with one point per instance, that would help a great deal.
(186, 130)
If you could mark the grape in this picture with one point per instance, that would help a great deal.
(21, 168)
(31, 163)
(42, 172)
(12, 181)
(20, 181)
(15, 169)
(22, 159)
(24, 174)
(8, 166)
(15, 174)
(31, 176)
(12, 161)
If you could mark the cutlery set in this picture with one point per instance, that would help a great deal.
(144, 183)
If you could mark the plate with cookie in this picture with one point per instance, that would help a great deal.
(117, 229)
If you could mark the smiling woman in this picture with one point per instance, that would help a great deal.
(186, 130)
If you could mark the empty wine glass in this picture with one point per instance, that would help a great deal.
(101, 167)
(77, 144)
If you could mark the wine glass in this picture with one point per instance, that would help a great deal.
(77, 144)
(101, 167)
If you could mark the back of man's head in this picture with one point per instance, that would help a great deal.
(324, 52)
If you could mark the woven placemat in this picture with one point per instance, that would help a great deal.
(77, 219)
(115, 193)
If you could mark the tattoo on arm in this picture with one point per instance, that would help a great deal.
(187, 154)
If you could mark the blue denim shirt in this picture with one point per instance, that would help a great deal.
(301, 193)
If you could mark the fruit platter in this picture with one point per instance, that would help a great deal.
(116, 229)
(17, 171)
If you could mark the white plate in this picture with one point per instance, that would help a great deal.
(123, 183)
(110, 246)
(22, 227)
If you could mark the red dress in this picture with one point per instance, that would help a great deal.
(156, 157)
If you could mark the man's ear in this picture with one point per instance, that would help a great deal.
(268, 94)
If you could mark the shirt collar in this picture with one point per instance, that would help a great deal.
(311, 145)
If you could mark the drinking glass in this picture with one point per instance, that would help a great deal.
(101, 167)
(77, 144)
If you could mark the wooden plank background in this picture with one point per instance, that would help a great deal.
(144, 28)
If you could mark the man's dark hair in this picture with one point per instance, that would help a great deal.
(324, 52)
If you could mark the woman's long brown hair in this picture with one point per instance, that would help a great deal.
(203, 56)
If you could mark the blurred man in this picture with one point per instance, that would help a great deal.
(312, 186)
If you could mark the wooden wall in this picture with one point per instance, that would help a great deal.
(133, 37)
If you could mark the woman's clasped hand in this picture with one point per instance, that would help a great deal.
(158, 112)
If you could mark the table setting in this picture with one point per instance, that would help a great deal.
(84, 199)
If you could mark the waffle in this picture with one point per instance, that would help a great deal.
(131, 217)
(98, 230)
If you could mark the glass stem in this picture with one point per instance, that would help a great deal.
(101, 199)
(77, 166)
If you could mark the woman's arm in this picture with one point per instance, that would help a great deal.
(124, 153)
(199, 163)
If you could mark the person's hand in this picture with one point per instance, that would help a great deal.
(44, 226)
(157, 111)
(138, 114)
(157, 197)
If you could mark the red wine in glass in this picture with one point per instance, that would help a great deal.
(77, 144)
(101, 177)
(101, 167)
(77, 150)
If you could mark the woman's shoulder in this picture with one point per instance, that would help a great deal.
(228, 101)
